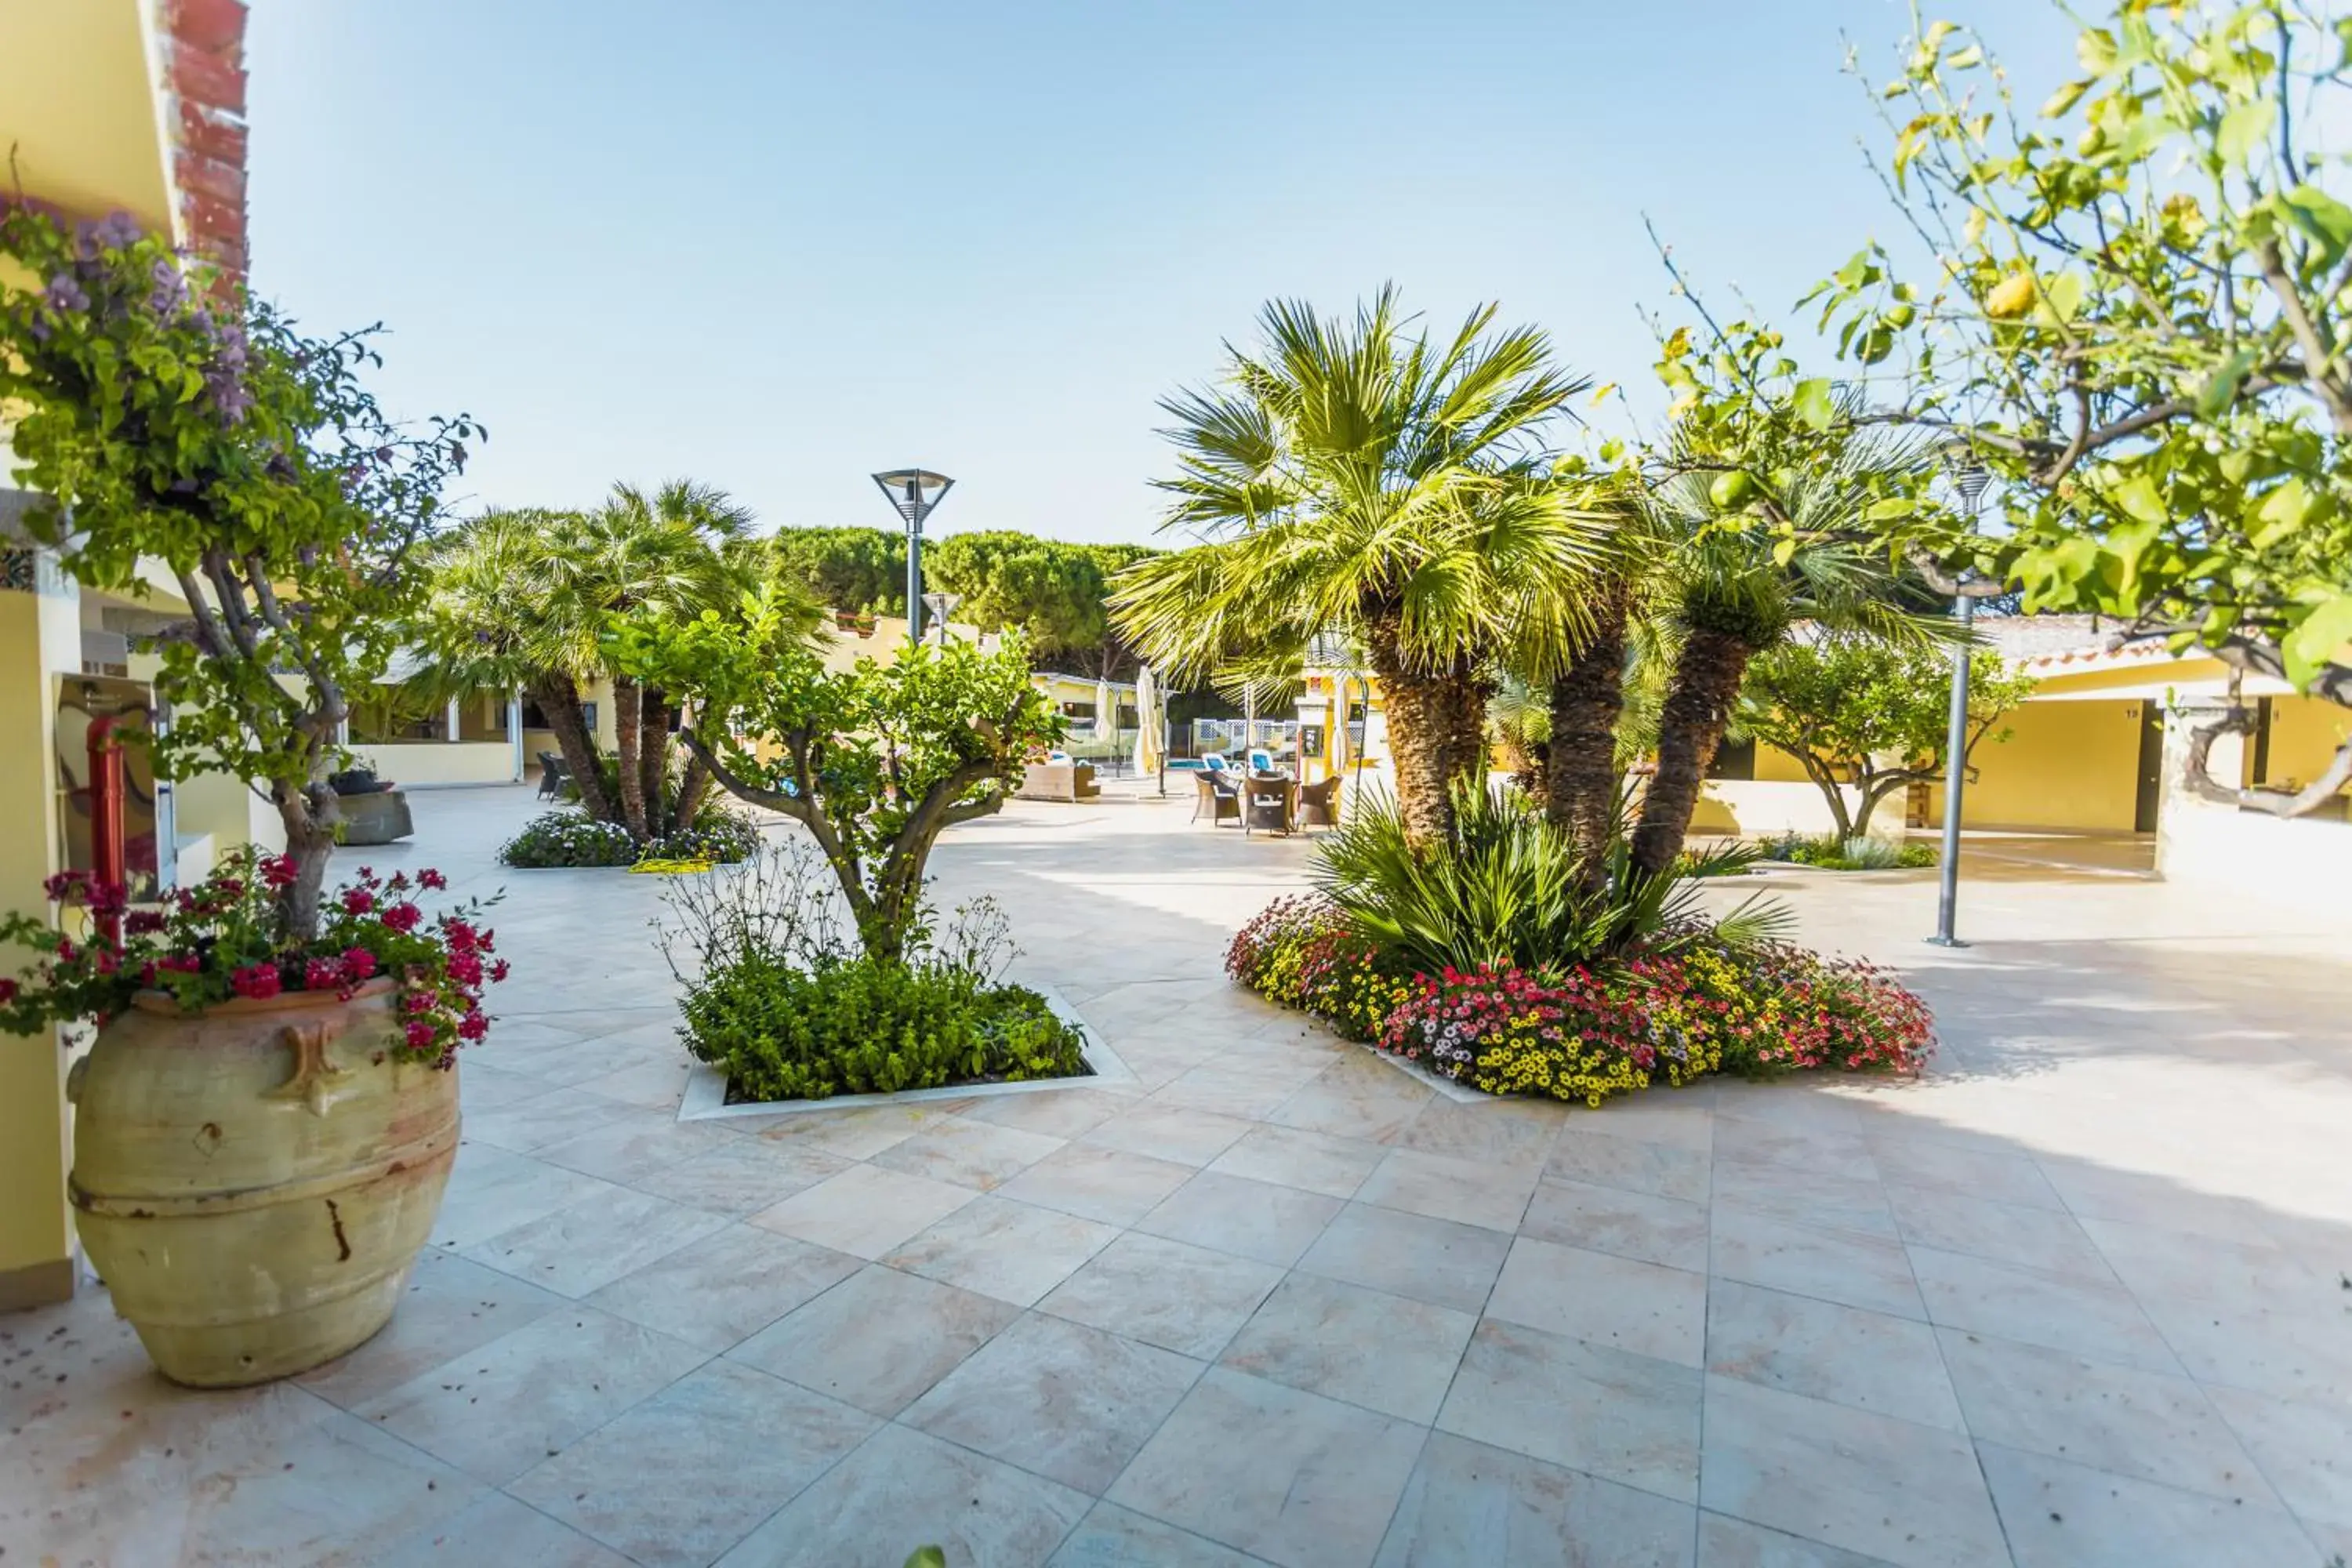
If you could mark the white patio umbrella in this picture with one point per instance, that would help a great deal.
(1106, 714)
(1150, 751)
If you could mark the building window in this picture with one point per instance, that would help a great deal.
(1732, 760)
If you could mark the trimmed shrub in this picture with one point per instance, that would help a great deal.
(569, 838)
(1861, 853)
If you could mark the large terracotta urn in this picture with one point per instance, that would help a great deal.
(255, 1181)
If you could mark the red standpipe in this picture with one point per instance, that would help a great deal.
(107, 853)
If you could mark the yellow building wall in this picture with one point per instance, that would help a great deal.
(36, 1233)
(2072, 766)
(423, 762)
(2305, 735)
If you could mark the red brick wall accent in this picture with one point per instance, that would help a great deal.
(206, 44)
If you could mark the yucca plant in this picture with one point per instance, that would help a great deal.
(1510, 889)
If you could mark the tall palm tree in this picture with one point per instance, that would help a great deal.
(1731, 589)
(1356, 476)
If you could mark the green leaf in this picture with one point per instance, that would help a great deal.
(2311, 646)
(1962, 60)
(2138, 499)
(2095, 47)
(1889, 510)
(2063, 294)
(2056, 105)
(2282, 512)
(2327, 221)
(1814, 404)
(2242, 130)
(2220, 389)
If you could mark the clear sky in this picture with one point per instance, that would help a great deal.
(775, 245)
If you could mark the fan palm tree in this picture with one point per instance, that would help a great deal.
(1731, 588)
(1356, 476)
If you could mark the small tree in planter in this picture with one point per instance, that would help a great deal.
(262, 1137)
(164, 419)
(877, 762)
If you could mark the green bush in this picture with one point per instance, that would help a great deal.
(569, 838)
(1830, 853)
(860, 1026)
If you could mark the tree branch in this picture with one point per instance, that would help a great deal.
(2270, 802)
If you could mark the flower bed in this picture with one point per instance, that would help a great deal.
(1591, 1031)
(572, 838)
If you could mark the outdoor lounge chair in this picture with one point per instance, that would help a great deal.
(1218, 800)
(553, 776)
(1065, 780)
(1318, 803)
(1268, 803)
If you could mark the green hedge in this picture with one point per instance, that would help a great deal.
(569, 838)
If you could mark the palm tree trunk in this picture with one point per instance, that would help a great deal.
(1581, 766)
(693, 784)
(1417, 725)
(629, 716)
(1464, 692)
(559, 701)
(1690, 726)
(653, 756)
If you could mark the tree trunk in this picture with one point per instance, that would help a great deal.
(559, 701)
(1417, 728)
(653, 758)
(1464, 692)
(1581, 767)
(693, 784)
(309, 817)
(1690, 726)
(628, 723)
(1825, 780)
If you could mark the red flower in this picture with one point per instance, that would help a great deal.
(358, 901)
(278, 870)
(256, 981)
(473, 1026)
(420, 1036)
(403, 918)
(67, 951)
(431, 879)
(357, 964)
(322, 975)
(462, 938)
(465, 968)
(8, 989)
(420, 1001)
(108, 899)
(499, 970)
(143, 923)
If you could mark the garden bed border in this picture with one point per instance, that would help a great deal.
(705, 1085)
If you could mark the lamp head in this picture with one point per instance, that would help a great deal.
(913, 492)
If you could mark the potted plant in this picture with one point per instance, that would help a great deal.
(168, 423)
(265, 1125)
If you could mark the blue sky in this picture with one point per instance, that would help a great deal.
(778, 246)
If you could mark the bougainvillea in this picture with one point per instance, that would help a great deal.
(221, 942)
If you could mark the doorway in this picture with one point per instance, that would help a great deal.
(2151, 768)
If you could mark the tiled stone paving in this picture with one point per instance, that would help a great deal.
(2081, 1297)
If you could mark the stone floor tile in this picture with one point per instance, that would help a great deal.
(1169, 1132)
(1802, 1145)
(450, 1306)
(1226, 1087)
(1013, 1251)
(742, 1176)
(1364, 1099)
(902, 1490)
(1107, 1184)
(2305, 1449)
(1114, 1537)
(2242, 1273)
(1804, 1260)
(1605, 1300)
(482, 1087)
(1611, 1219)
(1631, 1164)
(1189, 1299)
(859, 1133)
(1490, 1132)
(1684, 1118)
(1849, 1478)
(865, 1211)
(493, 1189)
(594, 1241)
(1058, 1399)
(2060, 1515)
(2124, 1420)
(2048, 1240)
(1252, 1219)
(1434, 1260)
(688, 1473)
(634, 1147)
(1609, 1413)
(496, 1411)
(1312, 1162)
(649, 1085)
(527, 1125)
(1728, 1543)
(2103, 1322)
(1441, 1186)
(1058, 1113)
(2160, 1203)
(1291, 1477)
(2001, 1178)
(1869, 1360)
(721, 1290)
(976, 1155)
(1804, 1196)
(2286, 1354)
(878, 1340)
(1469, 1503)
(1364, 1347)
(495, 1529)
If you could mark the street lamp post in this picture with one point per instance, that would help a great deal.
(1969, 476)
(913, 493)
(942, 606)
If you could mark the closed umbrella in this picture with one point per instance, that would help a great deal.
(1105, 715)
(1149, 751)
